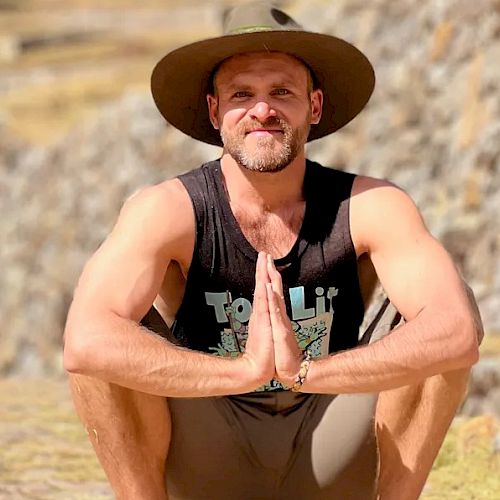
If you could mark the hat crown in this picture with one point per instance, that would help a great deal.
(181, 80)
(258, 16)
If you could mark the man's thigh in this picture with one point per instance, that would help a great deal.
(279, 445)
(275, 446)
(339, 457)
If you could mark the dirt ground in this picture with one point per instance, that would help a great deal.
(44, 452)
(45, 455)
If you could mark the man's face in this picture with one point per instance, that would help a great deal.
(264, 106)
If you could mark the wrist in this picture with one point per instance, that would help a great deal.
(300, 378)
(251, 373)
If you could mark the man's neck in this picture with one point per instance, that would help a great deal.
(264, 191)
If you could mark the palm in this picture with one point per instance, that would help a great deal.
(287, 353)
(260, 346)
(271, 347)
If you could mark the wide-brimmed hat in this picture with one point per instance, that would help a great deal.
(182, 79)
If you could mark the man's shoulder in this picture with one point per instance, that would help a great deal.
(166, 195)
(375, 191)
(381, 211)
(365, 183)
(362, 187)
(162, 209)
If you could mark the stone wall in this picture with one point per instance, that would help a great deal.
(432, 126)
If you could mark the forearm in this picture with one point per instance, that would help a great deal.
(120, 351)
(421, 348)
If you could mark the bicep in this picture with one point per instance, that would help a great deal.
(127, 271)
(421, 274)
(413, 267)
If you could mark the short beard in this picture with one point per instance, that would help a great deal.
(265, 159)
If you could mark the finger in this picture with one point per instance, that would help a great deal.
(274, 276)
(277, 286)
(260, 301)
(261, 271)
(274, 308)
(277, 311)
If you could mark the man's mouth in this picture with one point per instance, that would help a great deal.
(264, 131)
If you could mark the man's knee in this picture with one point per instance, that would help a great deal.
(108, 409)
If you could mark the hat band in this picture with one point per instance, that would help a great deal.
(251, 29)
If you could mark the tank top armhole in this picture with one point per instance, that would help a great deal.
(191, 184)
(348, 241)
(345, 182)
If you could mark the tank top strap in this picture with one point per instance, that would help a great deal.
(327, 192)
(202, 190)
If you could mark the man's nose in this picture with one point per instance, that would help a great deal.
(262, 110)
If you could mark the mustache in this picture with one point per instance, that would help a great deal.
(271, 122)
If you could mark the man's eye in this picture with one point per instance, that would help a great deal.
(241, 93)
(281, 91)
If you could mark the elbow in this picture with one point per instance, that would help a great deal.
(471, 329)
(470, 356)
(470, 334)
(77, 357)
(72, 360)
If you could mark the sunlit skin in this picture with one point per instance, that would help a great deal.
(264, 106)
(121, 373)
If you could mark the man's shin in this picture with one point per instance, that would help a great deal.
(130, 433)
(411, 424)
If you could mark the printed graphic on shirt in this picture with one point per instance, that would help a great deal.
(311, 325)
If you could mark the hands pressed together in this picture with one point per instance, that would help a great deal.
(271, 346)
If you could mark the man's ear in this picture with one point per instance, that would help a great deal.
(213, 107)
(316, 106)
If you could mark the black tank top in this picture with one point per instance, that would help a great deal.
(319, 273)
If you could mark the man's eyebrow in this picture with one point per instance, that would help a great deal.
(237, 85)
(287, 82)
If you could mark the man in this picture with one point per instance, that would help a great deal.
(258, 263)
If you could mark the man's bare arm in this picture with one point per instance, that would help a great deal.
(442, 329)
(118, 285)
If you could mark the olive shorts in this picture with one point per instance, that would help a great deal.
(277, 445)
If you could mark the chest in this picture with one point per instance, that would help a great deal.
(271, 232)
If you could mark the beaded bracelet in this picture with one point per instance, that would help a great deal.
(304, 368)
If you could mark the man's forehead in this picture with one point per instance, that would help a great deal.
(256, 60)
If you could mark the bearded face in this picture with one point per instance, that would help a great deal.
(265, 147)
(264, 104)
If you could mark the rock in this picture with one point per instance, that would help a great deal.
(485, 376)
(484, 389)
(496, 443)
(432, 127)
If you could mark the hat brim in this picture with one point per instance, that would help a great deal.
(181, 80)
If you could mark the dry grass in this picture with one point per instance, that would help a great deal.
(468, 467)
(33, 5)
(491, 345)
(63, 83)
(43, 113)
(46, 455)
